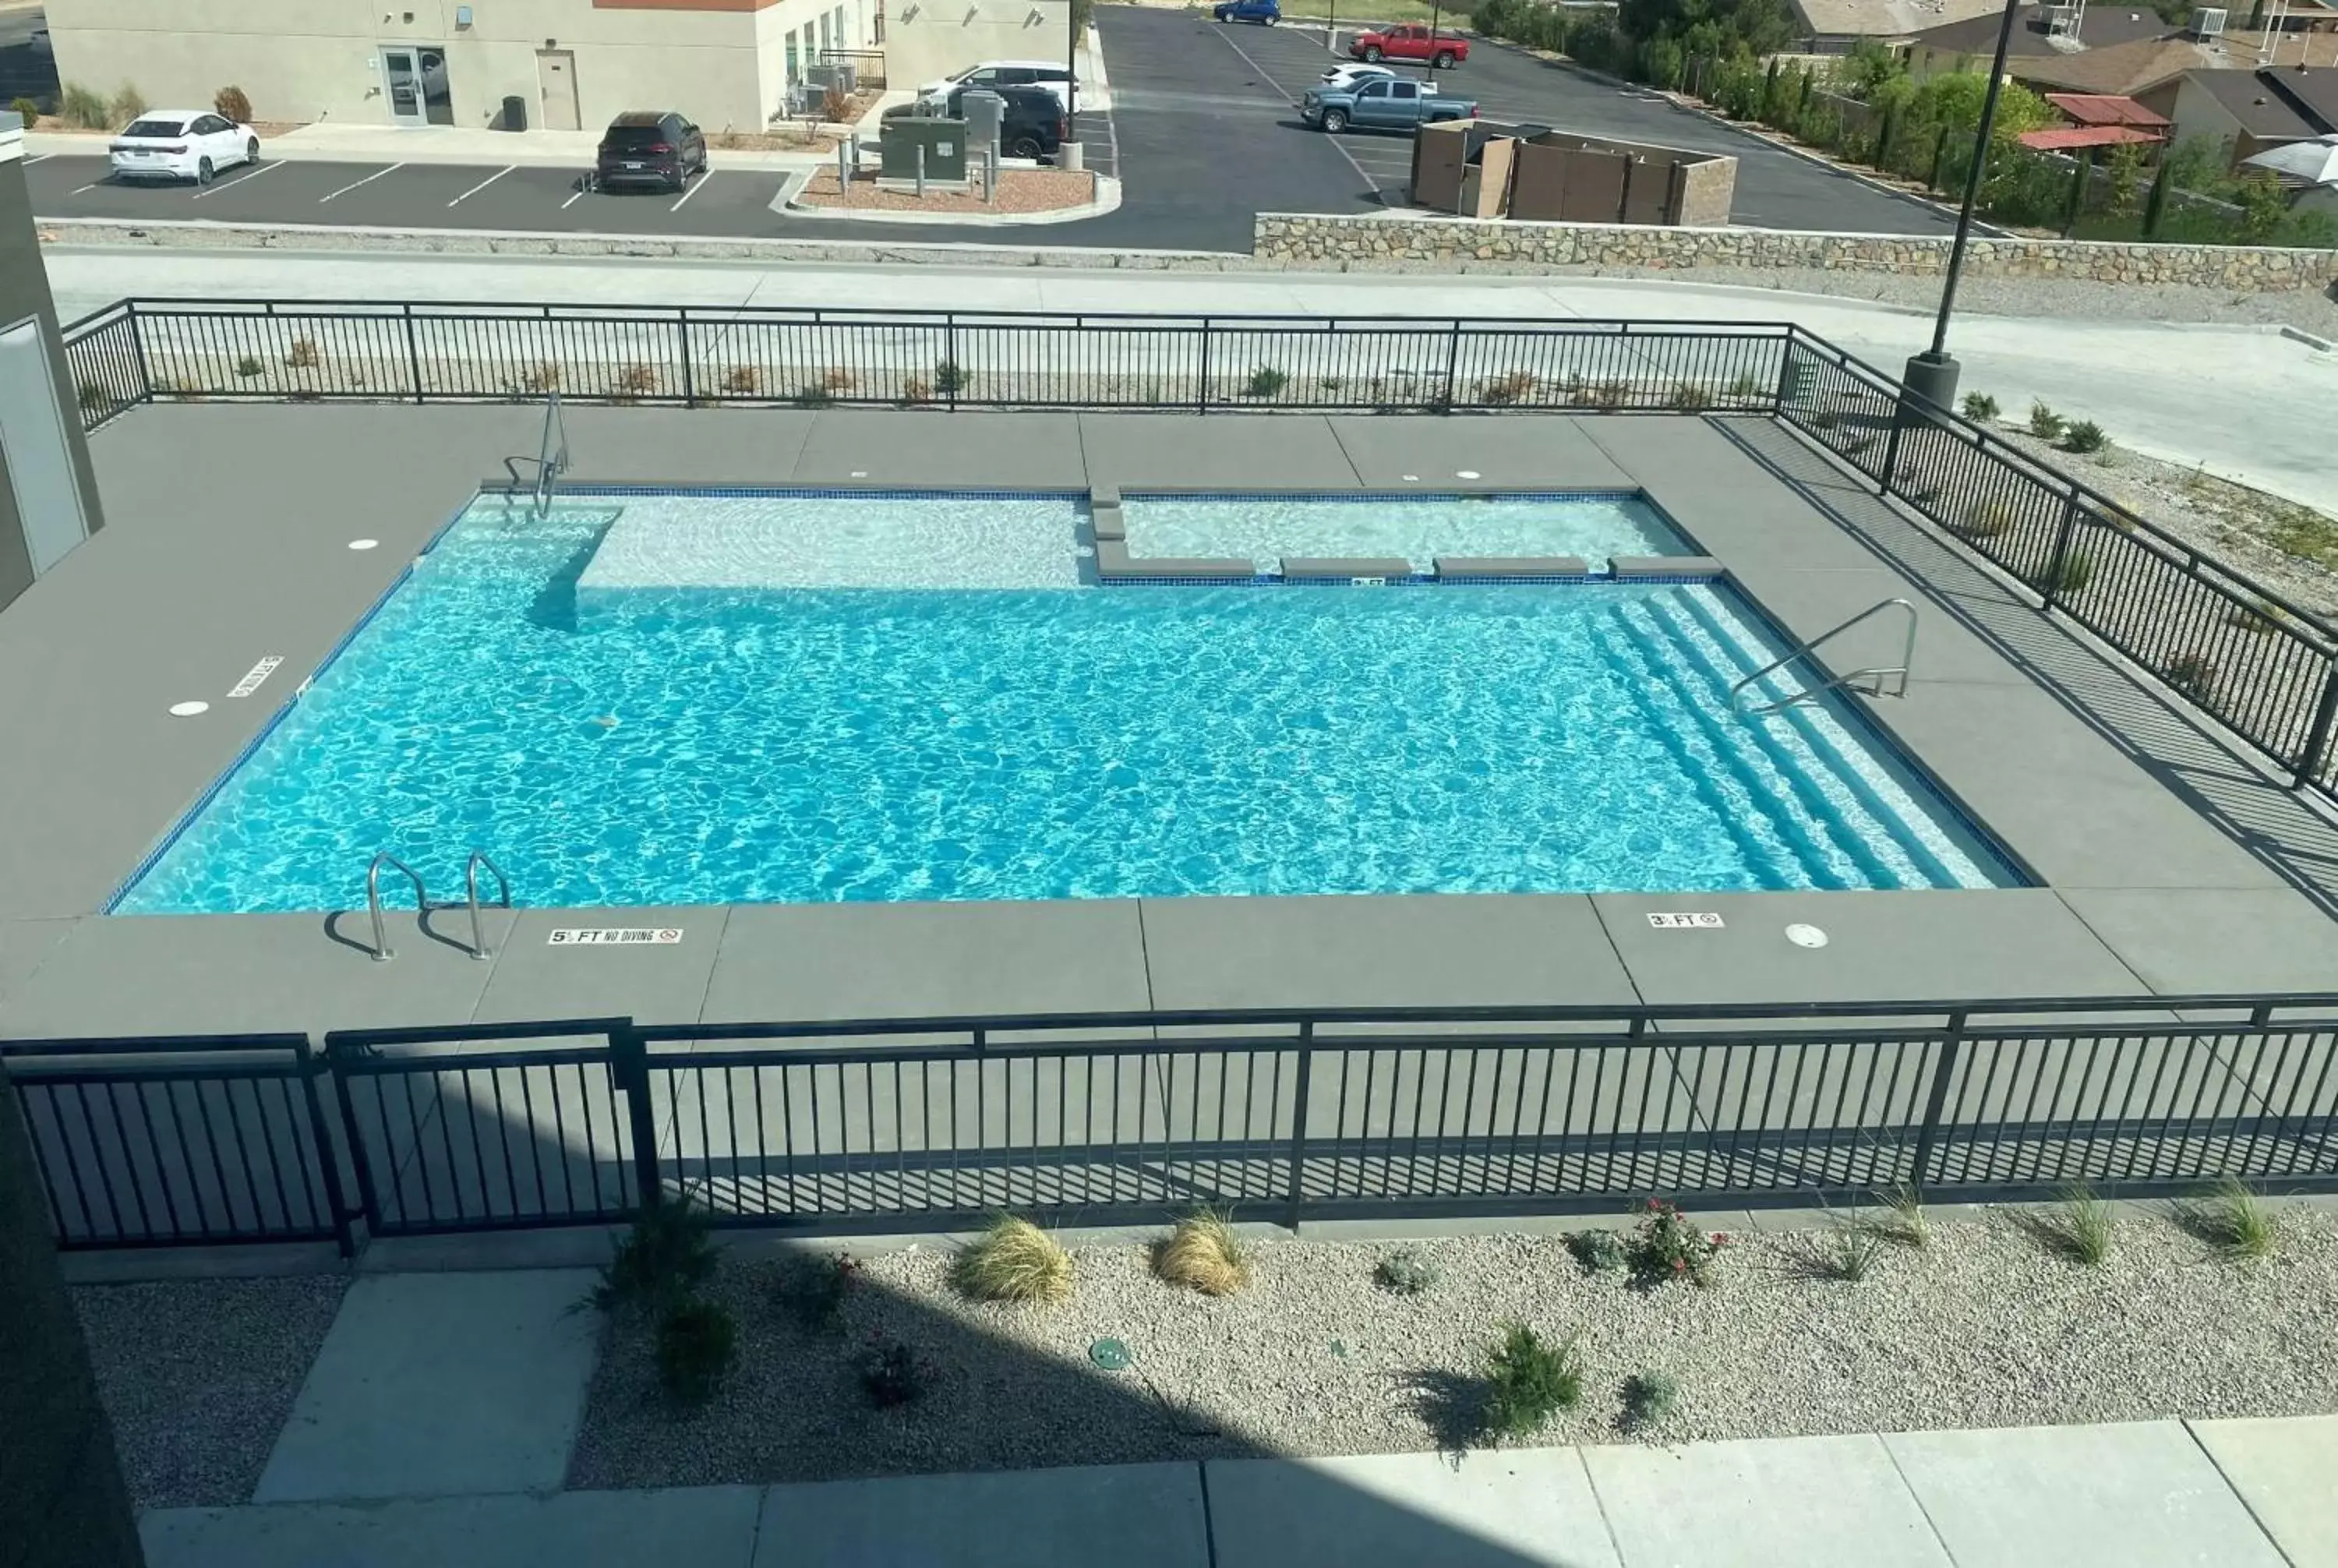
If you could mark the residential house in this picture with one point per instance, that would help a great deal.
(2119, 70)
(558, 64)
(2248, 109)
(2039, 32)
(1833, 26)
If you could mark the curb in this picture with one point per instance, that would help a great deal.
(2321, 344)
(1107, 199)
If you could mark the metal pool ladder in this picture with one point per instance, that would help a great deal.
(422, 905)
(551, 461)
(1883, 681)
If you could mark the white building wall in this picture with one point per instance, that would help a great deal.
(925, 39)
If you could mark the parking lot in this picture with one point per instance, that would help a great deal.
(1204, 133)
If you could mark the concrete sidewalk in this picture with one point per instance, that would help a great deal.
(2184, 394)
(2147, 1494)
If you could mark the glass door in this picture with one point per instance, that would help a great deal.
(401, 75)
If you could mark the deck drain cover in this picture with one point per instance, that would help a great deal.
(1806, 936)
(363, 543)
(1466, 473)
(1112, 1355)
(189, 710)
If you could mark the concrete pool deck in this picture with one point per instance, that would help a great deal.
(2170, 863)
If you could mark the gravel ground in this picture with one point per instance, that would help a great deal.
(1985, 1327)
(198, 1377)
(1019, 191)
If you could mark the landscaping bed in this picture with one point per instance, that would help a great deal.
(198, 1376)
(1991, 1323)
(1020, 192)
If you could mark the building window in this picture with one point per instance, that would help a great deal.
(795, 63)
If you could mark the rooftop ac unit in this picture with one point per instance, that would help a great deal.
(2208, 23)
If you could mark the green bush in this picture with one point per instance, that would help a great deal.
(891, 1373)
(83, 108)
(1596, 1251)
(2193, 675)
(1980, 407)
(2044, 423)
(247, 367)
(1648, 1398)
(1529, 1382)
(1667, 1246)
(2079, 1227)
(812, 1288)
(1265, 382)
(29, 108)
(128, 104)
(2076, 571)
(696, 1345)
(1405, 1272)
(948, 378)
(2083, 435)
(662, 1261)
(2234, 1220)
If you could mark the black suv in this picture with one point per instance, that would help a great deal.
(645, 147)
(1033, 124)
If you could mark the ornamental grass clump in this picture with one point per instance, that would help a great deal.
(1204, 1254)
(1014, 1260)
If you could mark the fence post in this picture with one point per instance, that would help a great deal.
(1452, 365)
(1891, 443)
(2309, 760)
(1299, 1123)
(413, 351)
(629, 1071)
(1201, 388)
(949, 357)
(368, 1196)
(328, 1165)
(688, 371)
(2052, 587)
(138, 343)
(1928, 1135)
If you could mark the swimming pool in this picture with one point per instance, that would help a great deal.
(1593, 525)
(757, 743)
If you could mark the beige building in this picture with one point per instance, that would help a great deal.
(730, 64)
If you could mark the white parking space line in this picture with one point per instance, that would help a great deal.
(42, 159)
(355, 183)
(1275, 83)
(706, 178)
(581, 188)
(216, 186)
(481, 185)
(91, 186)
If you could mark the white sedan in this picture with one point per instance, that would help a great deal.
(1340, 78)
(182, 144)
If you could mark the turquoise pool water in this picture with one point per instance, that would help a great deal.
(716, 746)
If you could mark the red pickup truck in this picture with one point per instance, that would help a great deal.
(1412, 42)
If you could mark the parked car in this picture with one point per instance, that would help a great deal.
(1411, 42)
(1033, 125)
(1054, 75)
(1265, 13)
(1381, 104)
(181, 145)
(1345, 76)
(650, 147)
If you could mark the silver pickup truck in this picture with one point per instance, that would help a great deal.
(1381, 103)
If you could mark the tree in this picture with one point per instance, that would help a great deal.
(2126, 165)
(2154, 207)
(1869, 65)
(2263, 207)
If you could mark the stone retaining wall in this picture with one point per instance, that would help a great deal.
(1467, 244)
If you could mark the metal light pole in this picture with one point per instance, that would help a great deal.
(1932, 375)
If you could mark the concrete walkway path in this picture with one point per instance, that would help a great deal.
(2145, 1494)
(2232, 398)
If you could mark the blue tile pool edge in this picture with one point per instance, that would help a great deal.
(187, 818)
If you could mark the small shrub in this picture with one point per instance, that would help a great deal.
(1329, 384)
(1856, 445)
(1015, 1261)
(696, 1345)
(544, 378)
(836, 378)
(28, 109)
(662, 1261)
(1690, 398)
(303, 356)
(1265, 382)
(1747, 388)
(949, 379)
(2261, 620)
(247, 367)
(1986, 519)
(917, 389)
(1204, 1254)
(1667, 1246)
(812, 1288)
(2083, 435)
(813, 396)
(1648, 1398)
(82, 108)
(128, 104)
(1405, 1272)
(1596, 1251)
(1904, 1222)
(1529, 1382)
(2234, 1220)
(745, 380)
(1824, 420)
(95, 398)
(2079, 1227)
(893, 1374)
(2077, 570)
(1980, 407)
(1609, 396)
(231, 103)
(2193, 675)
(1515, 387)
(2044, 423)
(636, 379)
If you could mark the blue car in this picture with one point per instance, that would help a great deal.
(1265, 13)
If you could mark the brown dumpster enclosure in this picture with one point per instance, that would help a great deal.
(1487, 169)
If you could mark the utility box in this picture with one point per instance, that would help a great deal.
(944, 141)
(985, 114)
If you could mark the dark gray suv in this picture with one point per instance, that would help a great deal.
(650, 147)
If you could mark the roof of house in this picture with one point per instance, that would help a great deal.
(2063, 138)
(2101, 26)
(2105, 109)
(1886, 18)
(2260, 112)
(2122, 69)
(2311, 90)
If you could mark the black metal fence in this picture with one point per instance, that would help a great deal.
(1116, 1117)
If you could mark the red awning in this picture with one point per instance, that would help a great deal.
(2105, 109)
(2069, 137)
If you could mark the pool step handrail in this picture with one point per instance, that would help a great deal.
(1880, 680)
(471, 891)
(551, 461)
(382, 858)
